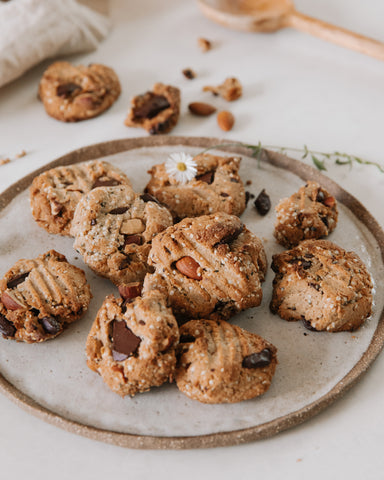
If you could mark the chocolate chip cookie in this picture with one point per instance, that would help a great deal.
(309, 213)
(40, 297)
(72, 93)
(113, 229)
(222, 363)
(323, 285)
(217, 187)
(156, 111)
(54, 194)
(132, 345)
(208, 267)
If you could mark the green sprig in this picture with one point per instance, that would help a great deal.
(319, 159)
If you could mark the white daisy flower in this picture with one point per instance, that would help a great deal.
(181, 167)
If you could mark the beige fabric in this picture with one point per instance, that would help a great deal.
(33, 30)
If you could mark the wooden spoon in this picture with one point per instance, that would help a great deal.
(272, 15)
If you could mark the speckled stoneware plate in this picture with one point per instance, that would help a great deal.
(51, 380)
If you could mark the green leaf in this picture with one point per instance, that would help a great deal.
(320, 165)
(306, 152)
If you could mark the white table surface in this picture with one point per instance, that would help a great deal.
(297, 90)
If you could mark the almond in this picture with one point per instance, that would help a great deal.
(201, 109)
(9, 302)
(189, 267)
(329, 202)
(225, 120)
(130, 290)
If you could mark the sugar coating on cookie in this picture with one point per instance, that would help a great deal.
(222, 363)
(72, 93)
(323, 285)
(208, 267)
(40, 297)
(113, 229)
(217, 187)
(132, 345)
(157, 111)
(54, 194)
(309, 213)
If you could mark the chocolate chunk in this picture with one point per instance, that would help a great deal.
(7, 328)
(67, 89)
(17, 280)
(186, 338)
(118, 210)
(230, 237)
(325, 221)
(308, 325)
(152, 106)
(223, 194)
(320, 197)
(106, 182)
(159, 128)
(147, 197)
(93, 221)
(247, 197)
(133, 238)
(51, 325)
(124, 341)
(258, 360)
(206, 177)
(302, 263)
(263, 203)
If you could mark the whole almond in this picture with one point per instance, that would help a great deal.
(9, 302)
(329, 202)
(225, 120)
(130, 290)
(201, 109)
(189, 267)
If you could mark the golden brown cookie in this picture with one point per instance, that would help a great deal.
(208, 267)
(156, 111)
(54, 194)
(222, 363)
(309, 213)
(323, 285)
(132, 345)
(72, 93)
(40, 297)
(113, 229)
(217, 187)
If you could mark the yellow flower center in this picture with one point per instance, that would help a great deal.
(181, 166)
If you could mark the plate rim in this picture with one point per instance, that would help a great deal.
(226, 438)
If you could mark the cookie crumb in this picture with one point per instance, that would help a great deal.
(189, 73)
(231, 89)
(4, 161)
(23, 153)
(204, 44)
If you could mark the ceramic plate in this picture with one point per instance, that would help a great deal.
(51, 380)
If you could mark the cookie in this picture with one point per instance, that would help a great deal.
(54, 194)
(222, 363)
(209, 267)
(231, 89)
(217, 187)
(156, 111)
(132, 345)
(40, 297)
(72, 93)
(323, 285)
(309, 213)
(113, 229)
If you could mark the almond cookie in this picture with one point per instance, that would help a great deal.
(309, 213)
(72, 93)
(113, 229)
(40, 297)
(208, 267)
(217, 187)
(222, 363)
(55, 193)
(132, 345)
(156, 111)
(323, 285)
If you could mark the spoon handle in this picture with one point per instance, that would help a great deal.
(337, 35)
